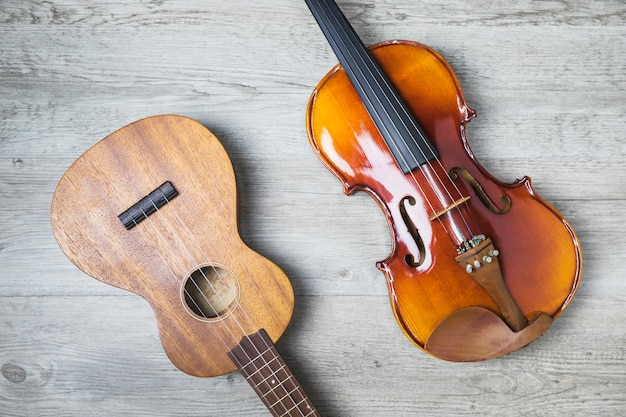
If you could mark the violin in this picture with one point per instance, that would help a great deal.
(478, 267)
(151, 209)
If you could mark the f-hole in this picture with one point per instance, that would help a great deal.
(409, 258)
(211, 292)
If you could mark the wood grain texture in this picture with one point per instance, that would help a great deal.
(187, 258)
(547, 80)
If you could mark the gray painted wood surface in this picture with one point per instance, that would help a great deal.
(546, 78)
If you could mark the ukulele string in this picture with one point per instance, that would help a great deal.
(236, 360)
(215, 312)
(243, 311)
(168, 263)
(230, 312)
(356, 57)
(196, 263)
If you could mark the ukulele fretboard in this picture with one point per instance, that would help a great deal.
(268, 374)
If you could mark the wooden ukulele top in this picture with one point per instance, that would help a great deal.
(190, 240)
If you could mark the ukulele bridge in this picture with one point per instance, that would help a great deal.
(148, 205)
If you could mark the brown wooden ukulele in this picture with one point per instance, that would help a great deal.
(152, 209)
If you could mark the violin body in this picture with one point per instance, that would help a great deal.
(441, 307)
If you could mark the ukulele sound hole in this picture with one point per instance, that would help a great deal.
(211, 291)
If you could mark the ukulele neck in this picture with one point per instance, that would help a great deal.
(270, 377)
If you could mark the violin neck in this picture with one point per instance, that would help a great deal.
(405, 138)
(270, 377)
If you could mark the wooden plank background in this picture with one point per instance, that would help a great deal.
(546, 78)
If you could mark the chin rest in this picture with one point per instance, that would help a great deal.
(476, 334)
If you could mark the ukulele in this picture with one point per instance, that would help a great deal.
(478, 268)
(152, 209)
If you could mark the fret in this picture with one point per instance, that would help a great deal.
(404, 137)
(270, 377)
(273, 383)
(287, 395)
(251, 363)
(297, 405)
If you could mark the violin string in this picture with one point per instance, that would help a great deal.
(349, 51)
(399, 105)
(230, 312)
(412, 174)
(425, 140)
(339, 19)
(332, 40)
(395, 108)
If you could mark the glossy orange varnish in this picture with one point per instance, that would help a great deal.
(539, 252)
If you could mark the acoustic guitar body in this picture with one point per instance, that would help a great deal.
(152, 209)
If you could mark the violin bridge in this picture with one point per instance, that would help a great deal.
(450, 207)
